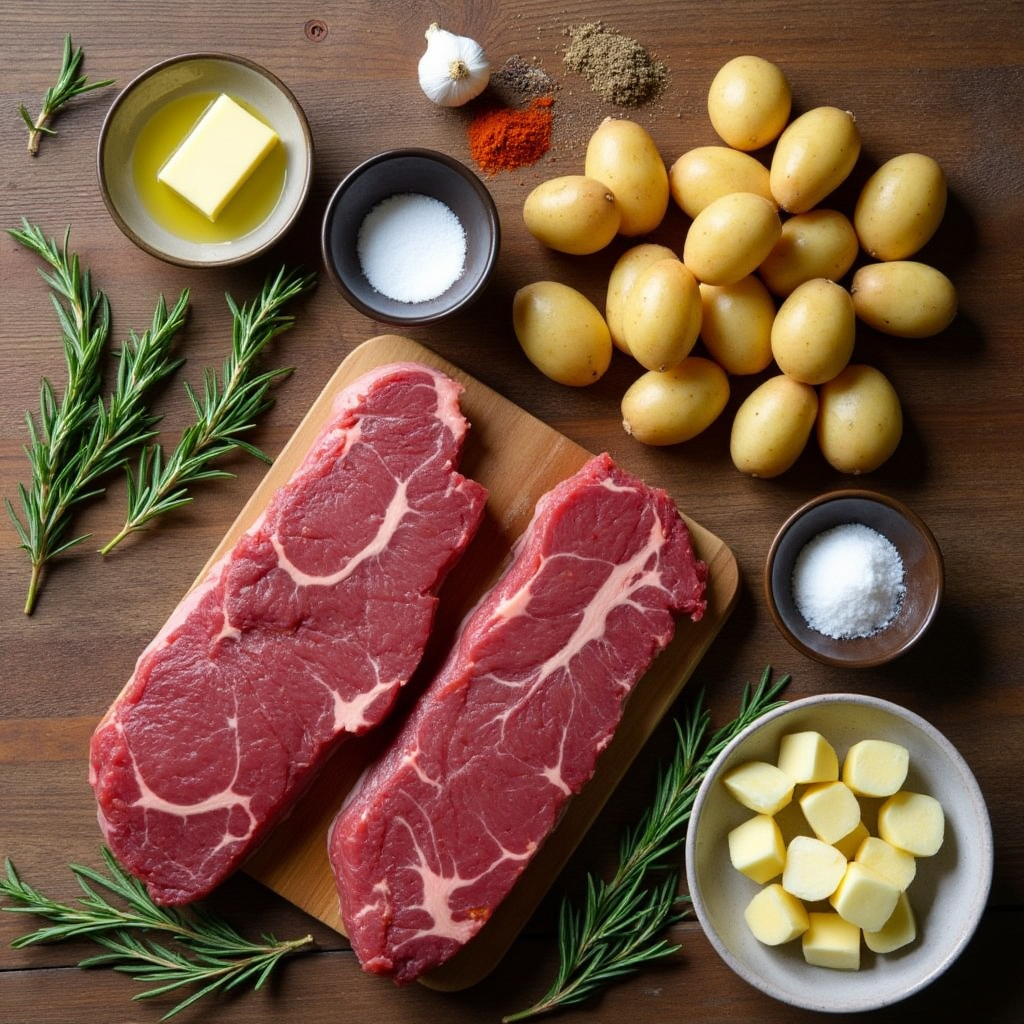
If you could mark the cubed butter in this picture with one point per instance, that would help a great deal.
(875, 767)
(808, 757)
(774, 916)
(813, 868)
(831, 809)
(850, 843)
(757, 849)
(914, 822)
(898, 931)
(831, 942)
(898, 866)
(864, 898)
(759, 786)
(217, 156)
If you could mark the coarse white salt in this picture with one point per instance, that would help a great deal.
(848, 582)
(411, 247)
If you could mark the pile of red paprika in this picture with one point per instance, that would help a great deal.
(503, 138)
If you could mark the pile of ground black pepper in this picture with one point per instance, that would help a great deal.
(518, 80)
(618, 68)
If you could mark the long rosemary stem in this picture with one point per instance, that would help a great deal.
(620, 927)
(78, 439)
(207, 952)
(225, 411)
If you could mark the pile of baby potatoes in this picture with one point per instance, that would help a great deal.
(757, 281)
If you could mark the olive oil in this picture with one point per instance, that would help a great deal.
(248, 208)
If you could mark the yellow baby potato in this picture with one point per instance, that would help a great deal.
(749, 102)
(775, 917)
(622, 154)
(831, 942)
(831, 810)
(875, 767)
(808, 757)
(850, 843)
(898, 866)
(818, 243)
(813, 869)
(662, 315)
(904, 298)
(897, 932)
(860, 421)
(628, 267)
(900, 206)
(706, 173)
(813, 156)
(675, 405)
(756, 848)
(772, 425)
(864, 897)
(730, 237)
(561, 332)
(572, 214)
(759, 786)
(914, 822)
(813, 331)
(736, 324)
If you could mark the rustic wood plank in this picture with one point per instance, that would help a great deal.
(928, 75)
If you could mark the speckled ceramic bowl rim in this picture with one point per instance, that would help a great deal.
(413, 318)
(982, 839)
(900, 509)
(161, 66)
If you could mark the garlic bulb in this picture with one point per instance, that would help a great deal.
(454, 69)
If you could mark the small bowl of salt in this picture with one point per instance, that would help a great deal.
(411, 236)
(853, 578)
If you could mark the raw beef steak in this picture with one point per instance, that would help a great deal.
(442, 825)
(303, 633)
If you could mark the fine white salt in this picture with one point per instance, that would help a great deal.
(849, 582)
(411, 247)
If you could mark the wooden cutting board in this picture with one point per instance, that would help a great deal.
(518, 458)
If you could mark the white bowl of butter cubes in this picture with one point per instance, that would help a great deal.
(839, 853)
(205, 160)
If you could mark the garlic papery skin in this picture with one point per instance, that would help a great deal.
(454, 69)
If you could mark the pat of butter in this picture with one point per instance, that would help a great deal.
(864, 897)
(813, 868)
(897, 932)
(759, 786)
(757, 849)
(775, 917)
(876, 767)
(831, 809)
(808, 757)
(217, 156)
(832, 942)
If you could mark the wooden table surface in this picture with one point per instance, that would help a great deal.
(939, 77)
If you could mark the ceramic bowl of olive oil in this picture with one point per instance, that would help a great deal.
(205, 160)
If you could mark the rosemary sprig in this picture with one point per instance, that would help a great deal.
(209, 953)
(78, 439)
(69, 85)
(224, 412)
(620, 926)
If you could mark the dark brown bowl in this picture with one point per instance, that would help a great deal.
(922, 563)
(428, 173)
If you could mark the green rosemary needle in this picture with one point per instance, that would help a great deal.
(621, 924)
(79, 439)
(225, 411)
(70, 83)
(208, 951)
